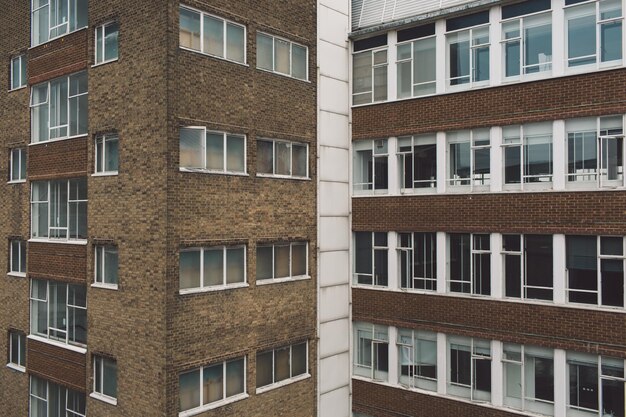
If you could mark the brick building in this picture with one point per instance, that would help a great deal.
(159, 224)
(487, 208)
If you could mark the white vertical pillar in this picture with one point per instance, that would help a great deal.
(496, 159)
(561, 383)
(392, 170)
(497, 390)
(440, 60)
(441, 162)
(558, 38)
(496, 266)
(558, 146)
(495, 50)
(442, 360)
(558, 268)
(392, 72)
(392, 261)
(441, 262)
(393, 356)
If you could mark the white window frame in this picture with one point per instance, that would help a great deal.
(572, 12)
(374, 248)
(410, 253)
(373, 66)
(203, 147)
(225, 33)
(50, 27)
(100, 48)
(523, 262)
(100, 251)
(290, 143)
(68, 411)
(100, 146)
(472, 253)
(291, 44)
(457, 388)
(470, 33)
(293, 378)
(419, 140)
(291, 277)
(225, 400)
(224, 285)
(472, 136)
(371, 145)
(412, 59)
(21, 159)
(98, 361)
(21, 256)
(20, 365)
(21, 83)
(408, 350)
(521, 140)
(369, 371)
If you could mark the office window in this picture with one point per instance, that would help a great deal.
(416, 61)
(594, 33)
(213, 267)
(282, 56)
(107, 39)
(370, 258)
(468, 158)
(17, 349)
(279, 261)
(48, 399)
(371, 356)
(106, 266)
(417, 158)
(468, 49)
(528, 266)
(282, 158)
(469, 368)
(17, 165)
(528, 378)
(220, 152)
(595, 151)
(281, 364)
(59, 108)
(469, 263)
(54, 18)
(58, 311)
(418, 261)
(595, 270)
(369, 70)
(107, 154)
(210, 386)
(18, 72)
(417, 356)
(17, 257)
(527, 155)
(59, 209)
(105, 377)
(527, 46)
(212, 35)
(596, 385)
(371, 166)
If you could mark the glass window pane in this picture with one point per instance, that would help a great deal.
(213, 383)
(112, 154)
(611, 41)
(581, 40)
(111, 265)
(111, 33)
(110, 377)
(264, 52)
(538, 280)
(380, 83)
(300, 163)
(298, 261)
(235, 372)
(189, 35)
(213, 267)
(215, 151)
(405, 82)
(299, 359)
(299, 67)
(283, 158)
(264, 262)
(190, 269)
(213, 36)
(362, 75)
(265, 157)
(15, 349)
(191, 148)
(189, 390)
(582, 274)
(281, 364)
(235, 153)
(282, 55)
(281, 261)
(264, 369)
(235, 42)
(235, 261)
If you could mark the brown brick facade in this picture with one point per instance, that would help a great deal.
(56, 364)
(61, 262)
(58, 159)
(62, 56)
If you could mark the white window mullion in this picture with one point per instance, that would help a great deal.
(441, 162)
(497, 374)
(393, 269)
(495, 48)
(442, 262)
(559, 274)
(393, 356)
(559, 169)
(225, 147)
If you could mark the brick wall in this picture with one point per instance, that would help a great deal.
(62, 56)
(56, 364)
(600, 93)
(62, 262)
(58, 159)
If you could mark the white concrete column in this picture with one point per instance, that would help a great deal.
(558, 148)
(393, 356)
(561, 383)
(558, 38)
(495, 50)
(497, 389)
(393, 185)
(393, 269)
(441, 162)
(496, 159)
(558, 267)
(442, 359)
(440, 64)
(392, 72)
(497, 286)
(442, 267)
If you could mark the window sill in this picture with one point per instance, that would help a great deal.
(16, 182)
(281, 280)
(243, 64)
(17, 274)
(216, 288)
(283, 383)
(17, 368)
(43, 142)
(103, 398)
(81, 242)
(210, 171)
(18, 88)
(58, 37)
(284, 75)
(211, 406)
(104, 286)
(283, 177)
(73, 348)
(99, 64)
(105, 174)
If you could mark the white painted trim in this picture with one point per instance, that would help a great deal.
(393, 271)
(213, 405)
(442, 266)
(16, 182)
(559, 154)
(103, 398)
(104, 286)
(80, 242)
(17, 274)
(214, 172)
(105, 174)
(281, 280)
(497, 374)
(58, 344)
(558, 269)
(497, 266)
(282, 383)
(213, 288)
(16, 367)
(43, 142)
(561, 382)
(392, 368)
